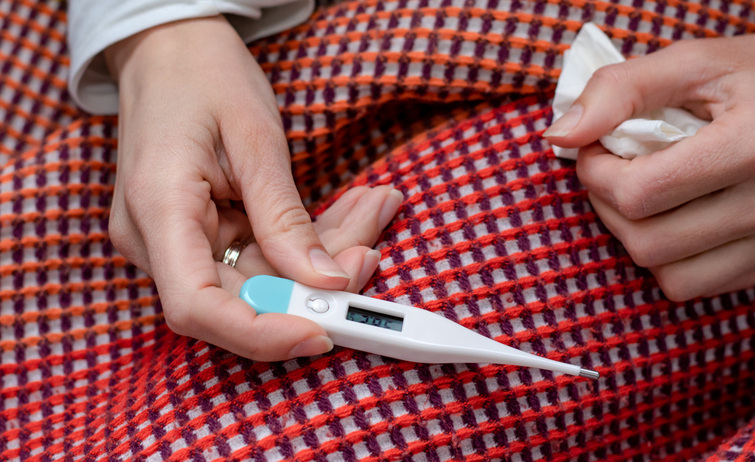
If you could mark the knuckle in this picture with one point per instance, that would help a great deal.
(627, 197)
(612, 74)
(135, 189)
(630, 200)
(642, 254)
(676, 286)
(589, 177)
(178, 319)
(620, 80)
(292, 218)
(123, 236)
(117, 220)
(118, 230)
(640, 247)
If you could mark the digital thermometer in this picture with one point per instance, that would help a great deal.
(389, 329)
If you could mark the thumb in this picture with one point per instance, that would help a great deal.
(281, 225)
(625, 90)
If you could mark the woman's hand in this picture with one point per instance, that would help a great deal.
(686, 212)
(199, 129)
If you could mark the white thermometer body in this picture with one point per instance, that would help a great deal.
(389, 329)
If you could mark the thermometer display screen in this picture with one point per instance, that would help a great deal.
(386, 321)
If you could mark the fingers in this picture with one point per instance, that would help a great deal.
(723, 269)
(698, 226)
(260, 167)
(194, 297)
(360, 263)
(718, 156)
(352, 225)
(183, 234)
(358, 217)
(199, 295)
(615, 93)
(348, 229)
(230, 225)
(695, 246)
(703, 248)
(233, 225)
(223, 319)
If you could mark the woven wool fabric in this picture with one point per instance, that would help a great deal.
(446, 101)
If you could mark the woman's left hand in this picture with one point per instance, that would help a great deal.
(686, 212)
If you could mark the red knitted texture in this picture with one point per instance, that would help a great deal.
(446, 101)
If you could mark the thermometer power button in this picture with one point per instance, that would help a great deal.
(318, 305)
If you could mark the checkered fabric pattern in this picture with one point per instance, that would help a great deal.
(739, 448)
(446, 101)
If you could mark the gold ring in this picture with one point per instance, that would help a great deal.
(231, 255)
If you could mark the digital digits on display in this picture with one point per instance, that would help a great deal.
(385, 321)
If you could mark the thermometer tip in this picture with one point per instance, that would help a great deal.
(589, 374)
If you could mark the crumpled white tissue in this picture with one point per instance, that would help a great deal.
(653, 131)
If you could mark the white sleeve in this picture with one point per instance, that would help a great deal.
(96, 24)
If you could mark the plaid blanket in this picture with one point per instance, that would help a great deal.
(446, 101)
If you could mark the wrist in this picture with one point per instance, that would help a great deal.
(168, 47)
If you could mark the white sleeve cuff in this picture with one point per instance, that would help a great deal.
(94, 25)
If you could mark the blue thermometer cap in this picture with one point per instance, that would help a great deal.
(267, 294)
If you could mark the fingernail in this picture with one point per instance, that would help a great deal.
(390, 207)
(371, 260)
(566, 123)
(312, 346)
(323, 264)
